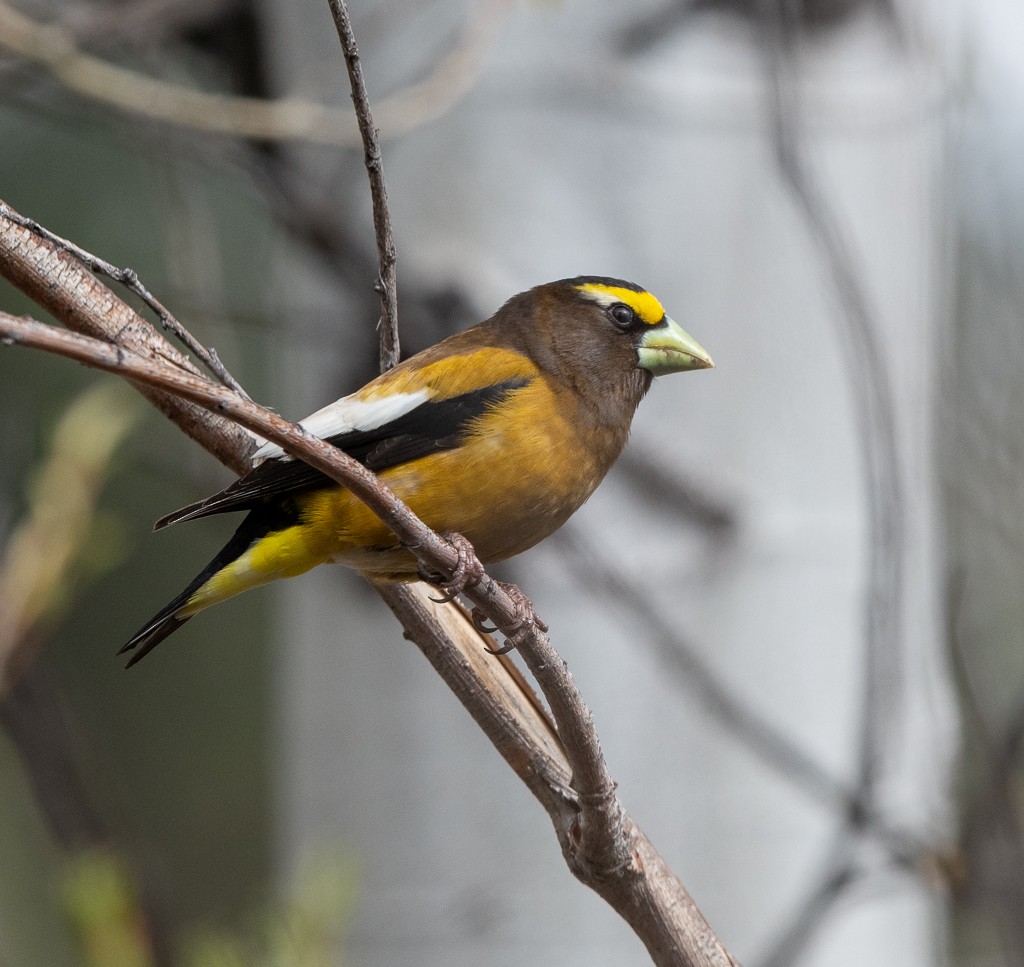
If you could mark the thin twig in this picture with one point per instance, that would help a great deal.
(386, 284)
(61, 284)
(599, 827)
(130, 280)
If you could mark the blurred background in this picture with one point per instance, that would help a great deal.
(794, 607)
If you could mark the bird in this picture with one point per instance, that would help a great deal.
(498, 433)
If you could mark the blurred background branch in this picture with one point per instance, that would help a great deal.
(54, 47)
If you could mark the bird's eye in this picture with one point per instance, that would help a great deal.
(622, 315)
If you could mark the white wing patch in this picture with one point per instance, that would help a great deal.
(347, 415)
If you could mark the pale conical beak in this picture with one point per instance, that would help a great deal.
(668, 348)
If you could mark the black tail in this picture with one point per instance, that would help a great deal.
(149, 636)
(166, 621)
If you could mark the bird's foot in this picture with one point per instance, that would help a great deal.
(467, 571)
(525, 619)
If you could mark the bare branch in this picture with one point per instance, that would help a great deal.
(130, 279)
(602, 846)
(58, 282)
(501, 703)
(386, 285)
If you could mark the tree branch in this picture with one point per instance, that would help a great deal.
(129, 278)
(387, 282)
(60, 284)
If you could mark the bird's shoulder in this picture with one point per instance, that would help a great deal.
(424, 405)
(460, 364)
(465, 365)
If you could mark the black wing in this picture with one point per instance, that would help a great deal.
(431, 427)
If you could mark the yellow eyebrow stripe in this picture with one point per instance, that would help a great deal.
(643, 304)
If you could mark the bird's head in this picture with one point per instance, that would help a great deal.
(624, 309)
(610, 334)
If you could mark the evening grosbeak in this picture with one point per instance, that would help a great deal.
(498, 433)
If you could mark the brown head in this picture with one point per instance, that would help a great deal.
(604, 338)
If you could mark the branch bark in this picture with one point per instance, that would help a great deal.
(58, 282)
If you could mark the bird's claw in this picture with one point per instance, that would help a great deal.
(479, 620)
(525, 618)
(467, 571)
